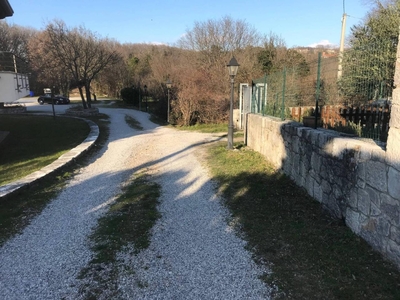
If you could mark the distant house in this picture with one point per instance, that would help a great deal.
(5, 9)
(14, 82)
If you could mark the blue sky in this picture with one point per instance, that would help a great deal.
(299, 23)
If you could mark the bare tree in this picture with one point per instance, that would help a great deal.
(82, 53)
(47, 67)
(14, 39)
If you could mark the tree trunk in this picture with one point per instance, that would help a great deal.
(88, 96)
(82, 97)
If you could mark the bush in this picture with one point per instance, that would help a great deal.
(130, 96)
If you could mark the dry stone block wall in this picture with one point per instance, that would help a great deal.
(355, 179)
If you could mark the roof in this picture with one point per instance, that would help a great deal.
(5, 9)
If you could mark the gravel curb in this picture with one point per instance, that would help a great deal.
(55, 165)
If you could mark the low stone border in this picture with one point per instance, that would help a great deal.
(12, 110)
(55, 165)
(81, 112)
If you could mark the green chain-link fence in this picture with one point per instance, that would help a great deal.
(363, 77)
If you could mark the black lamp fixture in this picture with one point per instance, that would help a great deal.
(233, 67)
(169, 85)
(145, 95)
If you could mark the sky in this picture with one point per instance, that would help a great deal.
(298, 22)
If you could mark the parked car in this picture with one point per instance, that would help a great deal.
(58, 99)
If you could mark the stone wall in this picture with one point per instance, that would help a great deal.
(355, 179)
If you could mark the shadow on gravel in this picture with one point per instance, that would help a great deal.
(312, 255)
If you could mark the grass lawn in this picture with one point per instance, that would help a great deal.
(311, 255)
(36, 141)
(18, 209)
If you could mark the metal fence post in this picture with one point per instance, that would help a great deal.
(317, 91)
(283, 95)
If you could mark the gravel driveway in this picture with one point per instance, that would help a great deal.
(193, 253)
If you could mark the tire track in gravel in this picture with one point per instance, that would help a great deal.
(193, 253)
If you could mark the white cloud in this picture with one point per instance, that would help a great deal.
(324, 43)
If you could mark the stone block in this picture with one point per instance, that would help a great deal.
(393, 252)
(373, 195)
(379, 155)
(303, 168)
(314, 137)
(375, 175)
(352, 198)
(375, 211)
(395, 234)
(353, 220)
(395, 122)
(310, 186)
(361, 170)
(326, 187)
(383, 227)
(393, 148)
(296, 165)
(298, 131)
(365, 154)
(318, 193)
(394, 183)
(363, 203)
(325, 139)
(315, 162)
(333, 206)
(360, 184)
(391, 208)
(295, 144)
(368, 232)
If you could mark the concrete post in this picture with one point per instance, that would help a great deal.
(393, 142)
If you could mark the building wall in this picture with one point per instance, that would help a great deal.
(13, 86)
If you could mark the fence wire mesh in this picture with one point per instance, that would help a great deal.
(362, 78)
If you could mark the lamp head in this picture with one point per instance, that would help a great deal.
(233, 67)
(168, 84)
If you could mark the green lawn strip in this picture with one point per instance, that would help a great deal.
(128, 221)
(19, 208)
(36, 141)
(312, 256)
(133, 123)
(205, 128)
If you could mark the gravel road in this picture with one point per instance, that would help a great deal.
(193, 253)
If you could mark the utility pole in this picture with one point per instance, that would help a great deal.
(341, 49)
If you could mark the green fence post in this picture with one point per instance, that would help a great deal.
(283, 95)
(264, 94)
(317, 90)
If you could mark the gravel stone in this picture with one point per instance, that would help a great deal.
(193, 253)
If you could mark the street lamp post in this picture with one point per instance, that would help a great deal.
(145, 95)
(169, 85)
(233, 68)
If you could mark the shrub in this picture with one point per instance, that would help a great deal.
(130, 96)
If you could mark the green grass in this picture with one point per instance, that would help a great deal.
(206, 128)
(36, 141)
(128, 222)
(312, 256)
(19, 208)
